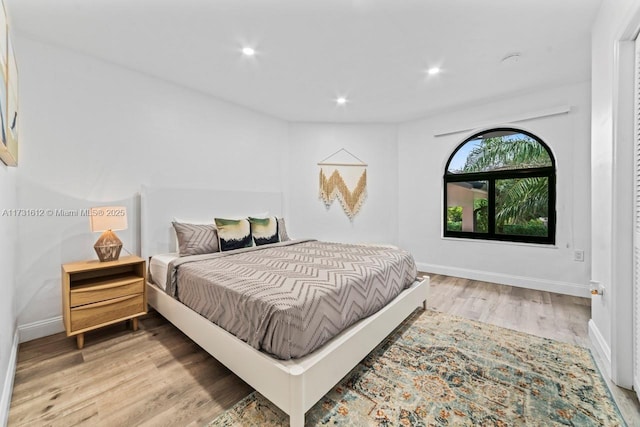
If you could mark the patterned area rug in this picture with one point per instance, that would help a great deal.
(440, 370)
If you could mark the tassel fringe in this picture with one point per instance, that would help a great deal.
(335, 187)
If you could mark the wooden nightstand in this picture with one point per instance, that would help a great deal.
(96, 294)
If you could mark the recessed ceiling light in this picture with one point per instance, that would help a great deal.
(248, 51)
(433, 71)
(341, 100)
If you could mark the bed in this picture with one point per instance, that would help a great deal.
(293, 385)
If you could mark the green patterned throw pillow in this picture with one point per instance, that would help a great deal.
(264, 230)
(233, 233)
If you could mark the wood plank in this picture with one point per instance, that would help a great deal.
(157, 376)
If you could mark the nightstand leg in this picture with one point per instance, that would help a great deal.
(134, 323)
(80, 341)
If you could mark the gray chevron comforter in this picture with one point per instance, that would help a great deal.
(289, 298)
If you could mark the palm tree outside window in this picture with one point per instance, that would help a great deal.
(500, 184)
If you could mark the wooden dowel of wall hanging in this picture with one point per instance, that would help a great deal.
(342, 164)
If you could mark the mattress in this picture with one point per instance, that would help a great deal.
(288, 299)
(158, 266)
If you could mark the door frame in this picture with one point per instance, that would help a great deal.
(622, 293)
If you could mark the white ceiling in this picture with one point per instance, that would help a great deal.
(311, 51)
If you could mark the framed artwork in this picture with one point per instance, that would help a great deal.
(12, 92)
(8, 95)
(3, 114)
(3, 38)
(3, 74)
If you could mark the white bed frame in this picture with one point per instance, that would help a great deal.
(292, 385)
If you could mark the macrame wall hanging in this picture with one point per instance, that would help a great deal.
(346, 181)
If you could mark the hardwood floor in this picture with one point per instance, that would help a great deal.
(560, 317)
(157, 376)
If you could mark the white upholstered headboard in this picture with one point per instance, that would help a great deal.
(160, 205)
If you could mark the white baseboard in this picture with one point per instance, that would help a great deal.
(7, 387)
(564, 288)
(600, 346)
(41, 328)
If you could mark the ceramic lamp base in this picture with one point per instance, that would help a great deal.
(108, 247)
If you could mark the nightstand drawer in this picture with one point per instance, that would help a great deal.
(109, 289)
(93, 315)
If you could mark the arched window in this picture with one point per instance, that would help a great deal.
(500, 184)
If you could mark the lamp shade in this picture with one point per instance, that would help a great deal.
(104, 218)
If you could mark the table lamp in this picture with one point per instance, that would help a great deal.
(107, 219)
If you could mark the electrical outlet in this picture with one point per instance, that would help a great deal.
(578, 255)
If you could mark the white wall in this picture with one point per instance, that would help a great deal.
(422, 159)
(93, 133)
(8, 231)
(609, 170)
(376, 145)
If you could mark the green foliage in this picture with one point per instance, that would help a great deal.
(454, 214)
(454, 225)
(481, 215)
(518, 201)
(454, 218)
(532, 228)
(506, 153)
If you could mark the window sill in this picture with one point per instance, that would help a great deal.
(501, 242)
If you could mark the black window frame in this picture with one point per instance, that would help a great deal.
(491, 177)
